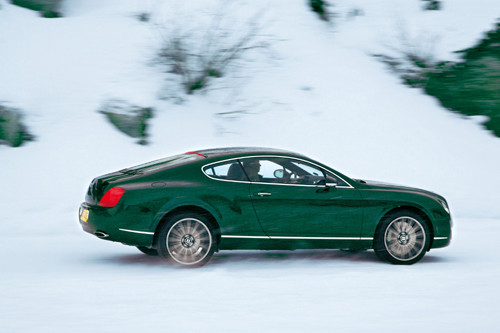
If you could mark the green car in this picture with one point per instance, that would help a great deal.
(186, 207)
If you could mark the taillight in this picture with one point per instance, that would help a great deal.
(111, 197)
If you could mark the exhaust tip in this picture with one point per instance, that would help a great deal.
(101, 234)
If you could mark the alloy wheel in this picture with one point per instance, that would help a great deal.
(189, 241)
(405, 238)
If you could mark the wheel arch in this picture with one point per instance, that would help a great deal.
(418, 211)
(185, 209)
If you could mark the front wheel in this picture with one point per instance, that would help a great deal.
(186, 239)
(402, 238)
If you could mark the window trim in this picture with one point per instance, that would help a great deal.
(239, 160)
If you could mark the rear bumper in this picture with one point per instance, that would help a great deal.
(112, 224)
(86, 223)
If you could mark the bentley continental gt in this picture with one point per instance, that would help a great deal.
(186, 207)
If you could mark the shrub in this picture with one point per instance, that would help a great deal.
(144, 17)
(197, 52)
(12, 131)
(320, 7)
(470, 86)
(129, 119)
(432, 4)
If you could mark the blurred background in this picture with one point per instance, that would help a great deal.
(401, 92)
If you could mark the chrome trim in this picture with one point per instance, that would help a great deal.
(444, 204)
(138, 232)
(294, 237)
(101, 234)
(251, 237)
(282, 156)
(440, 238)
(320, 238)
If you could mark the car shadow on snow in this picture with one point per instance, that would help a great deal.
(303, 256)
(291, 257)
(133, 259)
(228, 258)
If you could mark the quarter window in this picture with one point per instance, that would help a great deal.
(229, 170)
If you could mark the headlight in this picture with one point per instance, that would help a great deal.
(445, 205)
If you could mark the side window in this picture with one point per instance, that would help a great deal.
(305, 173)
(331, 178)
(257, 169)
(265, 170)
(228, 170)
(282, 171)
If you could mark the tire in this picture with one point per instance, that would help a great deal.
(147, 250)
(187, 240)
(402, 238)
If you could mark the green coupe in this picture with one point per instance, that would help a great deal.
(186, 207)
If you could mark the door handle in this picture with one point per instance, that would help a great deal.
(263, 194)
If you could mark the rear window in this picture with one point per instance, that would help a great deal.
(164, 163)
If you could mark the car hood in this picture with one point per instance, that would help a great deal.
(395, 187)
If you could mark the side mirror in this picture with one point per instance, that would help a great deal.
(279, 173)
(331, 184)
(323, 186)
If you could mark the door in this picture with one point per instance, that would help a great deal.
(294, 199)
(229, 194)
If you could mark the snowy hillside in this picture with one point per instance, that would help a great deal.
(315, 89)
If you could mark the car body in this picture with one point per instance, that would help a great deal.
(186, 207)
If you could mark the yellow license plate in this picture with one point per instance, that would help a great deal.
(85, 215)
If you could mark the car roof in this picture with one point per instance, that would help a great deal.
(238, 151)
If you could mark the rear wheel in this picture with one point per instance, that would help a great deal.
(402, 238)
(187, 239)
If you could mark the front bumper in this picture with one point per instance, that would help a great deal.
(442, 233)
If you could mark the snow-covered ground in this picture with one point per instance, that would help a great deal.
(316, 90)
(75, 283)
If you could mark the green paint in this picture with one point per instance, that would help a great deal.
(300, 212)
